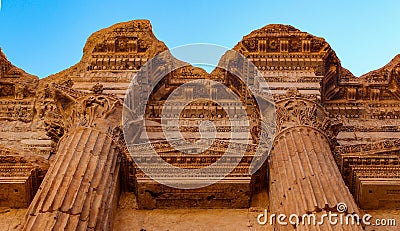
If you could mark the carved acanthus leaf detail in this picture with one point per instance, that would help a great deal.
(296, 111)
(89, 110)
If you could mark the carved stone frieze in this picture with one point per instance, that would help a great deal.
(19, 179)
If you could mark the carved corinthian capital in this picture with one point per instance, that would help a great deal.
(89, 110)
(297, 111)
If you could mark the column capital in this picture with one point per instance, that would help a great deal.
(95, 110)
(296, 111)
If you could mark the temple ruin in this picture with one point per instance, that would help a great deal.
(63, 156)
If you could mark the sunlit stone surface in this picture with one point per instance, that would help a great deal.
(64, 164)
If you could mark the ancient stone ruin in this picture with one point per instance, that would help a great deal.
(63, 156)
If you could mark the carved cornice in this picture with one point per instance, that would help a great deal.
(364, 149)
(281, 38)
(124, 46)
(8, 155)
(381, 153)
(14, 164)
(279, 47)
(386, 171)
(17, 92)
(382, 85)
(373, 160)
(12, 110)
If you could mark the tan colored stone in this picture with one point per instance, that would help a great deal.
(335, 131)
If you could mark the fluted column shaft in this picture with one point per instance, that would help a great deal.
(81, 187)
(304, 177)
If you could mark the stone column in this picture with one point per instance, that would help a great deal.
(81, 188)
(79, 191)
(304, 178)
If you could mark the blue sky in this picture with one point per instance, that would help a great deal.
(45, 37)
